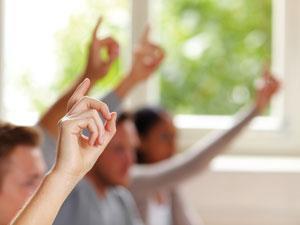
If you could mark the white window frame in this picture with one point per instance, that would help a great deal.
(277, 134)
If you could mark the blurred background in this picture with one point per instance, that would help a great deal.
(216, 50)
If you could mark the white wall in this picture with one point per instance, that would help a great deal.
(245, 198)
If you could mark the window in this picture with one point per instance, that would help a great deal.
(216, 50)
(277, 133)
(45, 45)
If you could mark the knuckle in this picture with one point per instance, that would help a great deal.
(65, 122)
(103, 104)
(85, 99)
(91, 121)
(94, 113)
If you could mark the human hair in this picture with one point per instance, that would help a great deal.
(124, 116)
(145, 119)
(12, 136)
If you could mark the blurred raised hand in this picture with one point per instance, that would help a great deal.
(97, 67)
(102, 53)
(267, 88)
(147, 57)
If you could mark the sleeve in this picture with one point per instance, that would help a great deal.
(166, 174)
(113, 101)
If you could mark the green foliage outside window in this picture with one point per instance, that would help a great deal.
(216, 49)
(73, 41)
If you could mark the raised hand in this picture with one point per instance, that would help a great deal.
(97, 66)
(269, 86)
(147, 58)
(77, 153)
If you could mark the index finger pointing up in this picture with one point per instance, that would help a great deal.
(97, 27)
(145, 35)
(80, 91)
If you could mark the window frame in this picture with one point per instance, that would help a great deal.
(268, 135)
(282, 136)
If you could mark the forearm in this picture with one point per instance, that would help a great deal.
(43, 207)
(126, 85)
(194, 160)
(51, 117)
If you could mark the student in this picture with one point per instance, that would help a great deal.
(158, 199)
(76, 155)
(21, 167)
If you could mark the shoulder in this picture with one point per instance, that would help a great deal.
(123, 195)
(121, 192)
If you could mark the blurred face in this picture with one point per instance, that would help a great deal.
(23, 173)
(160, 142)
(113, 166)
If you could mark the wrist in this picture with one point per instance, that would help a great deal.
(94, 77)
(90, 76)
(64, 177)
(258, 108)
(133, 77)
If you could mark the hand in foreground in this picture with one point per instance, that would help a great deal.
(76, 152)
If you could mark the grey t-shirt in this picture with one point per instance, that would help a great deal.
(83, 206)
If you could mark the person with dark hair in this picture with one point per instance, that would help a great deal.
(158, 172)
(146, 120)
(21, 167)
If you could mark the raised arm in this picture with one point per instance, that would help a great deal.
(147, 58)
(95, 70)
(198, 157)
(76, 156)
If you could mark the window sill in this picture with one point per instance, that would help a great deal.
(256, 164)
(205, 122)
